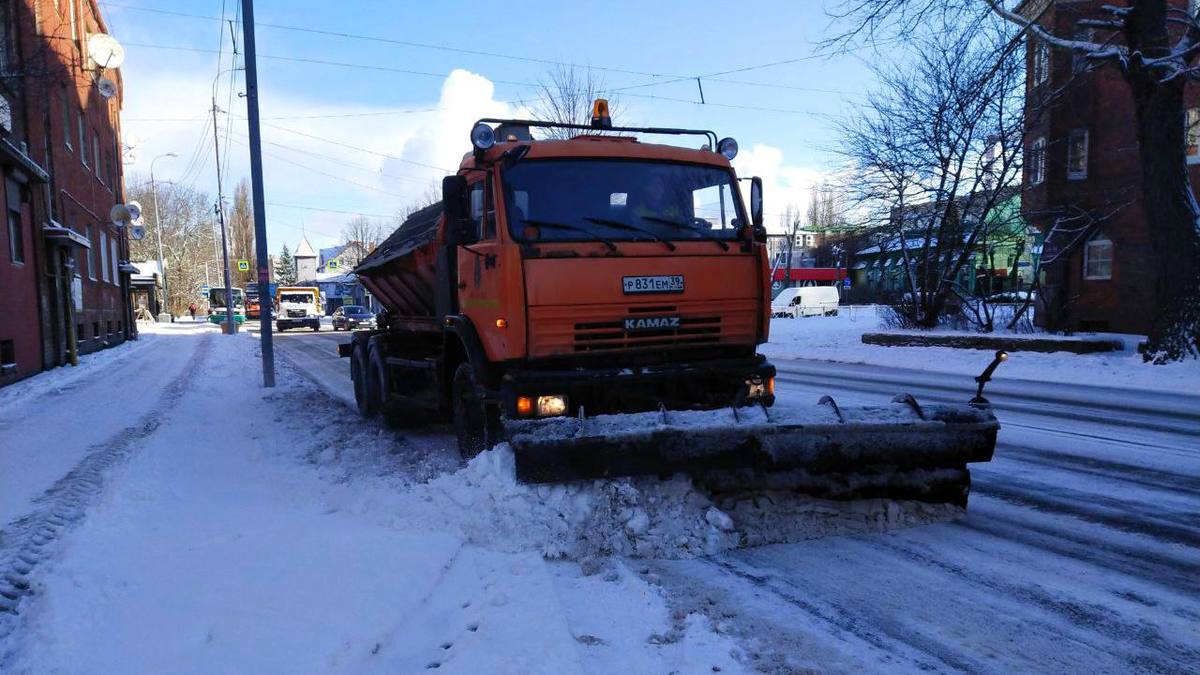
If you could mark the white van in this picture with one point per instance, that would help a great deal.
(806, 301)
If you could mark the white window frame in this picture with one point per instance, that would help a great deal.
(112, 247)
(91, 255)
(1097, 240)
(96, 155)
(1192, 134)
(1041, 62)
(83, 147)
(1077, 174)
(103, 257)
(1037, 162)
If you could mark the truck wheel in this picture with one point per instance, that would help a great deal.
(379, 382)
(279, 328)
(368, 406)
(476, 423)
(316, 327)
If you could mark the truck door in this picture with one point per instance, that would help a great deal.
(480, 287)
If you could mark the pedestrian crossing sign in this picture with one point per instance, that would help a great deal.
(332, 264)
(243, 265)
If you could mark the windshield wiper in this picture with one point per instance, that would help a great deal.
(574, 228)
(684, 226)
(631, 228)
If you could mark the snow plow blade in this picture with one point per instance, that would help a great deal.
(901, 450)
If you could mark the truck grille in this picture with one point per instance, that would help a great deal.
(567, 330)
(603, 335)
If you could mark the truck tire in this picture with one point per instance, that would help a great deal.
(379, 379)
(279, 328)
(317, 327)
(476, 423)
(368, 405)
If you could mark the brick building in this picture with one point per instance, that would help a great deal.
(64, 275)
(1082, 181)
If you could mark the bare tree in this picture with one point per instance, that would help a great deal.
(241, 234)
(187, 239)
(565, 95)
(933, 155)
(359, 237)
(1155, 46)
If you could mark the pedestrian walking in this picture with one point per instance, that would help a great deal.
(192, 310)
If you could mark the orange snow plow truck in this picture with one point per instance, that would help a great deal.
(597, 303)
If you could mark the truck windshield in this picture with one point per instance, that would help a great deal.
(298, 298)
(620, 200)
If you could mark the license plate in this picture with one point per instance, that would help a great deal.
(671, 283)
(635, 324)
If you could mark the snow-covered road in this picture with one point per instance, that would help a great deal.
(215, 527)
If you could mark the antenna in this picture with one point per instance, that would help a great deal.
(105, 51)
(107, 87)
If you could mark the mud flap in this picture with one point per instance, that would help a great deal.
(900, 450)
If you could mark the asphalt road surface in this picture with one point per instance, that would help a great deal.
(1080, 550)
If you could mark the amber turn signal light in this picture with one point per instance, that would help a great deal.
(524, 405)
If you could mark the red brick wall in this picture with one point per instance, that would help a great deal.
(1100, 101)
(19, 296)
(83, 190)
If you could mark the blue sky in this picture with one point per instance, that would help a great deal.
(342, 145)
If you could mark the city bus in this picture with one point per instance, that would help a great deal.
(216, 305)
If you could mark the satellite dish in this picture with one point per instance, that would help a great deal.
(135, 210)
(119, 215)
(106, 51)
(137, 232)
(107, 87)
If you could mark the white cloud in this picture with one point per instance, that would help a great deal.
(443, 137)
(783, 184)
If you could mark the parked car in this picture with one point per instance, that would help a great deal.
(353, 317)
(806, 301)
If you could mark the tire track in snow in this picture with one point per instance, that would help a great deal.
(29, 540)
(888, 635)
(1157, 653)
(1091, 507)
(1139, 563)
(1110, 470)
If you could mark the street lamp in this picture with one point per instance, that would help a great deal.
(158, 229)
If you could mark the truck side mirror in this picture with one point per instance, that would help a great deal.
(756, 209)
(454, 203)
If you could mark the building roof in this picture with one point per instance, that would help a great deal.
(304, 249)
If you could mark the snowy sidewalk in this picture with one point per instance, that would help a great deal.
(216, 548)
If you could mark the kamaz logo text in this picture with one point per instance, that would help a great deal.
(651, 323)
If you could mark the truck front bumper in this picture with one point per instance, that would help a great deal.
(682, 386)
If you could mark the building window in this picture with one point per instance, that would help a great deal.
(8, 356)
(112, 245)
(96, 330)
(1037, 162)
(1077, 154)
(1041, 62)
(83, 149)
(96, 155)
(91, 254)
(66, 101)
(74, 21)
(1193, 135)
(103, 258)
(16, 233)
(1098, 258)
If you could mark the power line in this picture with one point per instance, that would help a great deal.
(393, 41)
(323, 173)
(316, 208)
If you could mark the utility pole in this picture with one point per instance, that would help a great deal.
(260, 208)
(158, 233)
(232, 327)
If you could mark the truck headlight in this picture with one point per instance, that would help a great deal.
(759, 388)
(551, 406)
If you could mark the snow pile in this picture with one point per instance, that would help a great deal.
(839, 338)
(637, 517)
